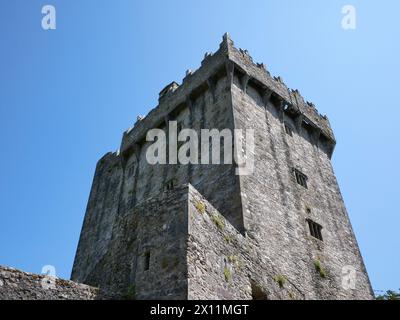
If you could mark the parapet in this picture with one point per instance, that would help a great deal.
(19, 285)
(174, 95)
(169, 89)
(214, 65)
(290, 98)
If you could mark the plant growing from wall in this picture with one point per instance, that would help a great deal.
(218, 221)
(200, 206)
(227, 274)
(320, 269)
(227, 238)
(280, 280)
(233, 259)
(130, 293)
(236, 262)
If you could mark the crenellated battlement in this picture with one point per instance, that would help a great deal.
(230, 61)
(258, 73)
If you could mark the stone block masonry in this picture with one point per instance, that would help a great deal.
(200, 231)
(18, 285)
(280, 233)
(224, 264)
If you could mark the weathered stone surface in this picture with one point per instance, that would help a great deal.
(156, 231)
(18, 285)
(251, 239)
(224, 264)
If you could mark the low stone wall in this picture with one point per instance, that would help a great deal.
(18, 285)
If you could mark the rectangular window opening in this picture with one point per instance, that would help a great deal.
(301, 178)
(169, 185)
(147, 261)
(315, 229)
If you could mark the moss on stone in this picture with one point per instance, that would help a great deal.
(227, 238)
(130, 293)
(236, 261)
(200, 206)
(280, 280)
(227, 274)
(320, 269)
(233, 259)
(218, 221)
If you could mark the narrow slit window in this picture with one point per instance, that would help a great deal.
(147, 261)
(301, 178)
(315, 229)
(288, 129)
(131, 170)
(169, 184)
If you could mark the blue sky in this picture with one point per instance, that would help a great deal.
(66, 96)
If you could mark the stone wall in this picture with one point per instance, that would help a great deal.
(138, 214)
(18, 285)
(101, 213)
(224, 264)
(146, 255)
(276, 207)
(125, 180)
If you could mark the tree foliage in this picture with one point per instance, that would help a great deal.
(389, 295)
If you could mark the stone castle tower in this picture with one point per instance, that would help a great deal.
(202, 231)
